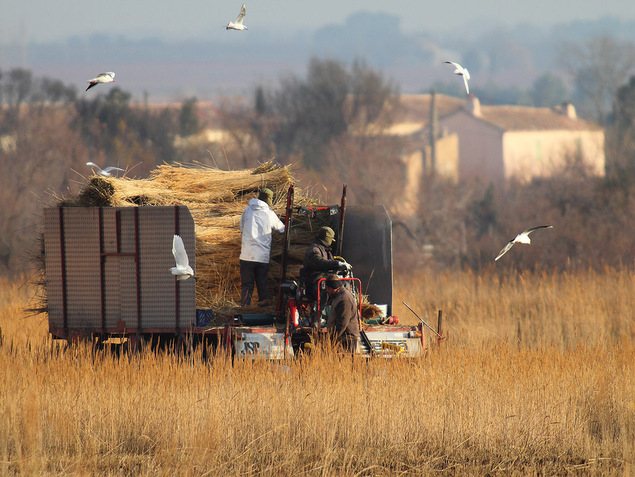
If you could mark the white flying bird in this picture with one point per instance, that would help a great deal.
(183, 271)
(459, 70)
(104, 172)
(108, 77)
(522, 237)
(238, 23)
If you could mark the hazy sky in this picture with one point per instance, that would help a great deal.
(43, 20)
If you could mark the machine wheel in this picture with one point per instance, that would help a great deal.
(299, 341)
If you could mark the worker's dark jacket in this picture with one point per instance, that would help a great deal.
(318, 261)
(343, 320)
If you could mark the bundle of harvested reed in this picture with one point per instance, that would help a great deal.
(216, 199)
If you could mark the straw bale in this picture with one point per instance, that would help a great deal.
(216, 199)
(369, 310)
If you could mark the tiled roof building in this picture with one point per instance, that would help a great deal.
(497, 143)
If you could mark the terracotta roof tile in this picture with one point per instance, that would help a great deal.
(416, 107)
(522, 118)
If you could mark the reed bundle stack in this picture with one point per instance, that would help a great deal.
(216, 199)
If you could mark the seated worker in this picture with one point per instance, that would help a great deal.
(343, 319)
(318, 261)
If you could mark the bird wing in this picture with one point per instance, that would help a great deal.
(466, 77)
(112, 168)
(180, 255)
(92, 164)
(459, 70)
(103, 77)
(528, 231)
(241, 15)
(506, 248)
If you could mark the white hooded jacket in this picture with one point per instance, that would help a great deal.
(256, 224)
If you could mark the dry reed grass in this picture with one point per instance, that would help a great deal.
(547, 404)
(524, 308)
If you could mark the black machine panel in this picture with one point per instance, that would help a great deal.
(367, 246)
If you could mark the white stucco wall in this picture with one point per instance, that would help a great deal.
(413, 172)
(448, 157)
(541, 153)
(480, 146)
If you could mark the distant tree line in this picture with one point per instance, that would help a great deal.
(107, 123)
(325, 123)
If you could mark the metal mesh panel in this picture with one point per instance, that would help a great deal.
(83, 281)
(187, 289)
(159, 287)
(142, 295)
(156, 232)
(128, 268)
(53, 257)
(112, 282)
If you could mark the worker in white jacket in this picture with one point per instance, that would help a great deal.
(256, 225)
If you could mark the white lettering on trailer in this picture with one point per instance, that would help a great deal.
(262, 345)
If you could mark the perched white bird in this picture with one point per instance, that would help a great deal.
(108, 77)
(459, 70)
(522, 237)
(183, 271)
(104, 172)
(238, 23)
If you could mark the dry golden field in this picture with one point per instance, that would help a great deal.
(536, 376)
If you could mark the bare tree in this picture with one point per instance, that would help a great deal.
(598, 67)
(16, 88)
(188, 121)
(372, 98)
(548, 90)
(305, 117)
(250, 129)
(621, 135)
(311, 112)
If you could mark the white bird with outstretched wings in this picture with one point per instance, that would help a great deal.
(459, 70)
(183, 271)
(238, 23)
(522, 237)
(106, 172)
(108, 77)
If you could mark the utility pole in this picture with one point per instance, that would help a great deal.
(433, 131)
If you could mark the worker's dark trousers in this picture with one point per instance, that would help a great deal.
(250, 272)
(349, 343)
